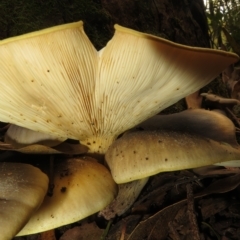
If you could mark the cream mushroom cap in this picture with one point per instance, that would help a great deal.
(56, 82)
(81, 187)
(19, 137)
(145, 153)
(22, 190)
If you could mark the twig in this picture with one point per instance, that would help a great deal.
(123, 232)
(174, 232)
(191, 213)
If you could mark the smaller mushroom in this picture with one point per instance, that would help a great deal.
(189, 124)
(209, 124)
(27, 141)
(81, 187)
(20, 137)
(152, 152)
(22, 190)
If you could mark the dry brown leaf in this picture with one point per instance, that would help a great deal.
(211, 206)
(88, 231)
(221, 186)
(125, 226)
(215, 170)
(48, 235)
(156, 226)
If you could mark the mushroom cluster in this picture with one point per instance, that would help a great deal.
(55, 82)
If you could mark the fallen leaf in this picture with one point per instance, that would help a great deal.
(88, 231)
(156, 227)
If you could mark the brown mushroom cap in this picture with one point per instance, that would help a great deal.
(57, 83)
(81, 187)
(22, 191)
(208, 124)
(141, 154)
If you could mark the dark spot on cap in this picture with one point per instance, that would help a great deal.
(63, 189)
(64, 173)
(166, 159)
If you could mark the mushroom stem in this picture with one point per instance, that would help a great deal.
(98, 144)
(127, 194)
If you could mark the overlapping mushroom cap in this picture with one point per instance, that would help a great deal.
(57, 83)
(81, 187)
(22, 190)
(190, 139)
(19, 137)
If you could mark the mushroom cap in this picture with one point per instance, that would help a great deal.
(56, 82)
(201, 122)
(141, 154)
(19, 137)
(22, 190)
(81, 187)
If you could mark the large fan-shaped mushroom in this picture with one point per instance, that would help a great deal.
(56, 82)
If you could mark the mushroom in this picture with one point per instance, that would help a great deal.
(22, 191)
(20, 137)
(81, 187)
(152, 152)
(208, 124)
(27, 141)
(56, 82)
(184, 140)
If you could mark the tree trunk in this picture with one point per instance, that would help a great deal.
(182, 21)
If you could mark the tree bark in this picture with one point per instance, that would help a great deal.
(182, 21)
